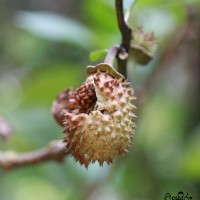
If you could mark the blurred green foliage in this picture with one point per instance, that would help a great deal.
(43, 51)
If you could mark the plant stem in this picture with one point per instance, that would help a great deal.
(111, 55)
(126, 33)
(55, 151)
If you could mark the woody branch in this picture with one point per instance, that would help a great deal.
(54, 151)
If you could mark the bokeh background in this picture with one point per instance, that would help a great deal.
(45, 47)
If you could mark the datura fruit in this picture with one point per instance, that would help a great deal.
(98, 116)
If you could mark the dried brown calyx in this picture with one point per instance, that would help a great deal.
(97, 117)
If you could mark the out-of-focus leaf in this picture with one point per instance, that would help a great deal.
(48, 83)
(98, 54)
(10, 93)
(101, 15)
(190, 164)
(128, 4)
(175, 9)
(54, 27)
(45, 190)
(159, 21)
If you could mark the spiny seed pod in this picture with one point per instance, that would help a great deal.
(98, 116)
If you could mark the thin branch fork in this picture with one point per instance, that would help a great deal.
(54, 151)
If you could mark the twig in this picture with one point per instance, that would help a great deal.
(125, 30)
(111, 55)
(54, 151)
(126, 33)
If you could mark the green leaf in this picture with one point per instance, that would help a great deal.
(98, 54)
(190, 162)
(47, 83)
(54, 27)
